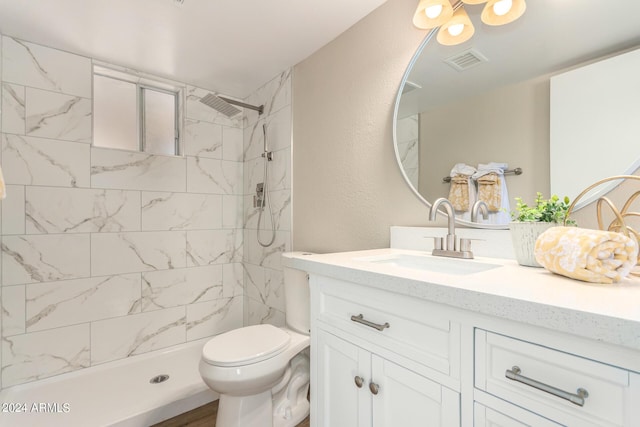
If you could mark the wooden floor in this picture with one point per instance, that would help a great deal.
(204, 416)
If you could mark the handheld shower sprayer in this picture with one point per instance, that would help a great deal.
(265, 152)
(266, 199)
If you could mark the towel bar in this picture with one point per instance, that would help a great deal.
(516, 171)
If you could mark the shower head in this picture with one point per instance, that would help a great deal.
(223, 105)
(220, 105)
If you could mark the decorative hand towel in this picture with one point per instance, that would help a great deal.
(489, 187)
(589, 255)
(492, 189)
(3, 190)
(461, 192)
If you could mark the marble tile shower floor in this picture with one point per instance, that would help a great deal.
(204, 416)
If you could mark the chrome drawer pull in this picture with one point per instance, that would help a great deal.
(577, 399)
(360, 319)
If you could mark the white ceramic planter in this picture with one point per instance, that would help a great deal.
(523, 237)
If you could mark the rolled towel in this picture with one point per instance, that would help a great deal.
(589, 255)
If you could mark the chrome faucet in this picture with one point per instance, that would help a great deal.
(481, 206)
(450, 247)
(451, 235)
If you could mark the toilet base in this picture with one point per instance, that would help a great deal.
(294, 417)
(284, 405)
(290, 404)
(257, 411)
(245, 411)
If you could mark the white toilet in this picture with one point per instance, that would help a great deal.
(262, 372)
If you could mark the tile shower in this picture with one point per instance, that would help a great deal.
(108, 254)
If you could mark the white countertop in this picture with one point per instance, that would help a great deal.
(607, 313)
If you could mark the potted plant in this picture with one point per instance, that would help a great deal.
(528, 222)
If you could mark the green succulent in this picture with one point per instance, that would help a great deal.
(550, 210)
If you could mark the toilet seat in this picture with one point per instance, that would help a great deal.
(245, 346)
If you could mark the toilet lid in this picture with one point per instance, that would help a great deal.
(246, 345)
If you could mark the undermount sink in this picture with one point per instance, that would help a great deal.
(431, 263)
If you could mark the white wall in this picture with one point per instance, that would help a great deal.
(347, 187)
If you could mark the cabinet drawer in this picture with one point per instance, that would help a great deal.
(484, 416)
(609, 388)
(416, 329)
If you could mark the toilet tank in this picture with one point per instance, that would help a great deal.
(296, 296)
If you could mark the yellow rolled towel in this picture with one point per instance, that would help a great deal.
(589, 255)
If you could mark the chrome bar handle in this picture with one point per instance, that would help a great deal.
(360, 319)
(577, 398)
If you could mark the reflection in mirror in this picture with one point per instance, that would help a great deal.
(491, 101)
(594, 122)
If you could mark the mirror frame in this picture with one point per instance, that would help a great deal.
(432, 33)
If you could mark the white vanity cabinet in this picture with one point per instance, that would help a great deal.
(380, 359)
(509, 347)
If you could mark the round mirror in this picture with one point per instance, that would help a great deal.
(514, 97)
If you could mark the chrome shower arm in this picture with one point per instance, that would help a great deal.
(259, 108)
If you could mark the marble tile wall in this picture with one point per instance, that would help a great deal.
(263, 278)
(107, 253)
(2, 107)
(409, 147)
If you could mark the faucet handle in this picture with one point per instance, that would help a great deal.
(437, 242)
(465, 243)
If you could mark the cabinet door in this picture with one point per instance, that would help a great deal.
(407, 399)
(341, 403)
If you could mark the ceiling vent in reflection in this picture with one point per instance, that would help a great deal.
(466, 59)
(410, 86)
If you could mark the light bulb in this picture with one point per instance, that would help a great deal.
(455, 29)
(502, 7)
(433, 11)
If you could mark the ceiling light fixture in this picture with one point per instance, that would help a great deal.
(455, 26)
(457, 30)
(432, 13)
(500, 12)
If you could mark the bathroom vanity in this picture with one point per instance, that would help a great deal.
(402, 338)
